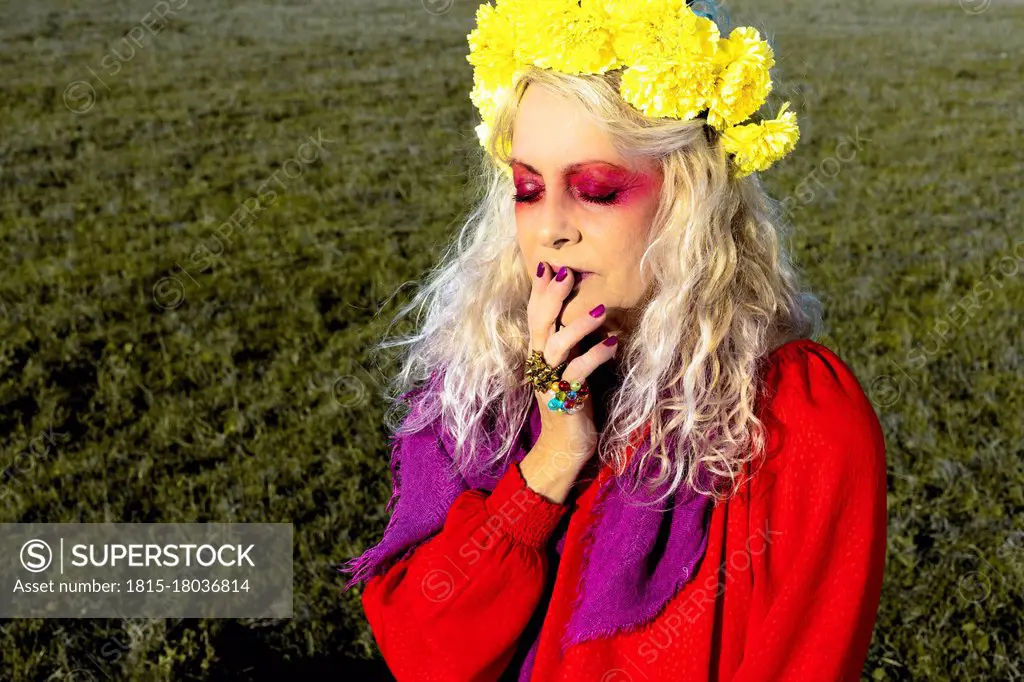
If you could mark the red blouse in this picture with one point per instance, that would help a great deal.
(787, 591)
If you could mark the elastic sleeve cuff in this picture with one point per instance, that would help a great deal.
(524, 514)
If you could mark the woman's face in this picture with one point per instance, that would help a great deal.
(582, 205)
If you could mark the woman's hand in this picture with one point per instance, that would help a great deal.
(566, 441)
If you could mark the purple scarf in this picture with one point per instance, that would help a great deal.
(635, 558)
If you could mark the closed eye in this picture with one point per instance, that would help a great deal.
(608, 198)
(600, 199)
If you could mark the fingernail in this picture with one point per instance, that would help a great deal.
(540, 268)
(598, 311)
(561, 274)
(611, 340)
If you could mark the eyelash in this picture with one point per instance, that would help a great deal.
(601, 200)
(604, 198)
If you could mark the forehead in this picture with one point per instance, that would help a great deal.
(551, 131)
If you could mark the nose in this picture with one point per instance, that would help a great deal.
(557, 226)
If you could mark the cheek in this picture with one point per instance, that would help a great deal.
(527, 241)
(624, 242)
(622, 287)
(628, 224)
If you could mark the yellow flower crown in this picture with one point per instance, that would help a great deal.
(676, 65)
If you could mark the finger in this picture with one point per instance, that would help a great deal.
(549, 309)
(541, 322)
(562, 343)
(546, 305)
(550, 390)
(583, 366)
(557, 290)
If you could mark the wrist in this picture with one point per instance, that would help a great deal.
(550, 473)
(525, 515)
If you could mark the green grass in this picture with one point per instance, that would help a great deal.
(253, 398)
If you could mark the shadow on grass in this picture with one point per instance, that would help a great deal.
(244, 655)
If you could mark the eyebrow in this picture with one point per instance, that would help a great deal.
(566, 170)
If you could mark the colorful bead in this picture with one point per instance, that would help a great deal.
(561, 395)
(554, 404)
(571, 394)
(575, 385)
(563, 385)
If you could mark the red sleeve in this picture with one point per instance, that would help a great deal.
(454, 609)
(820, 513)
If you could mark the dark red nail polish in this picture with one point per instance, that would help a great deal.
(561, 274)
(611, 340)
(597, 312)
(540, 269)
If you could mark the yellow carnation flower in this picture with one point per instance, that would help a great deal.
(562, 35)
(756, 146)
(744, 82)
(493, 50)
(488, 99)
(496, 57)
(671, 54)
(660, 30)
(672, 90)
(483, 134)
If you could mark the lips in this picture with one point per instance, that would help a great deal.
(578, 278)
(577, 275)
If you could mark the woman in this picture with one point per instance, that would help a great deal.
(625, 459)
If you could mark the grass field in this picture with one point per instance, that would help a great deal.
(186, 377)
